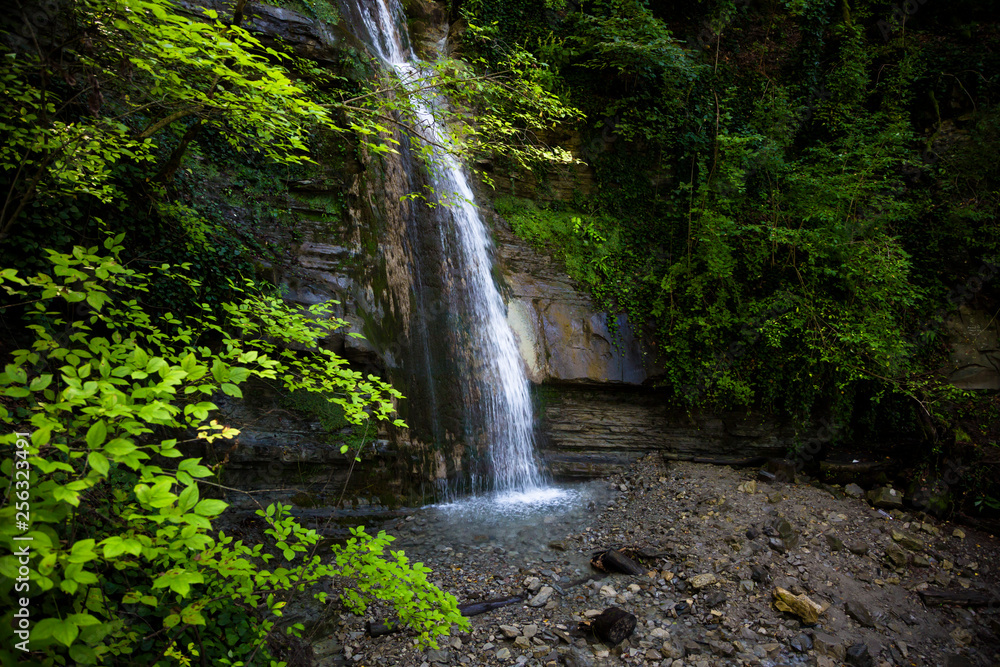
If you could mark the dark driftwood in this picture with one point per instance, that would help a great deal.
(476, 608)
(467, 609)
(613, 560)
(613, 626)
(939, 596)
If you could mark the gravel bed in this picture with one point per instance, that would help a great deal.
(726, 541)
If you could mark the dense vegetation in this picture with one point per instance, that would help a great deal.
(791, 196)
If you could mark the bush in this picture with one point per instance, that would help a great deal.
(122, 564)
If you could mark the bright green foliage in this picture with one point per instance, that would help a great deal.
(180, 69)
(218, 72)
(766, 211)
(52, 157)
(125, 567)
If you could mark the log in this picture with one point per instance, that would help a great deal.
(468, 609)
(612, 626)
(613, 560)
(380, 629)
(476, 608)
(940, 596)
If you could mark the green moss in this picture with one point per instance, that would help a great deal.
(587, 243)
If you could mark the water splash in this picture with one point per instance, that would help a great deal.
(498, 397)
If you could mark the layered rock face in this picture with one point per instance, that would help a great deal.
(598, 406)
(361, 243)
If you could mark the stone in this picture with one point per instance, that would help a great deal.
(439, 655)
(854, 491)
(896, 555)
(856, 610)
(829, 646)
(747, 585)
(885, 497)
(857, 547)
(834, 542)
(702, 580)
(576, 657)
(542, 597)
(509, 631)
(529, 631)
(608, 592)
(786, 532)
(660, 634)
(724, 649)
(533, 584)
(959, 533)
(801, 643)
(800, 605)
(858, 656)
(782, 469)
(503, 653)
(909, 541)
(961, 636)
(522, 642)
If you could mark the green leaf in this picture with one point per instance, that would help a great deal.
(232, 390)
(188, 498)
(98, 462)
(65, 631)
(97, 434)
(41, 382)
(119, 448)
(210, 507)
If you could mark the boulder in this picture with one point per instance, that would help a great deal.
(886, 497)
(858, 656)
(856, 610)
(854, 491)
(909, 541)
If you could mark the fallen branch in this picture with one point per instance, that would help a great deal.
(468, 609)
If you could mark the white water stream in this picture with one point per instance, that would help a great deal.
(504, 401)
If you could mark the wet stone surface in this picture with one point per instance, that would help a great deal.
(707, 601)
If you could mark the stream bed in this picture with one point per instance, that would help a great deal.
(707, 601)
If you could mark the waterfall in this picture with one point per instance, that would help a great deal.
(496, 392)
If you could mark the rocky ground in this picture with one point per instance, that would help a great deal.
(727, 540)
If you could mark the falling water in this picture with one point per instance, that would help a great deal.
(502, 402)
